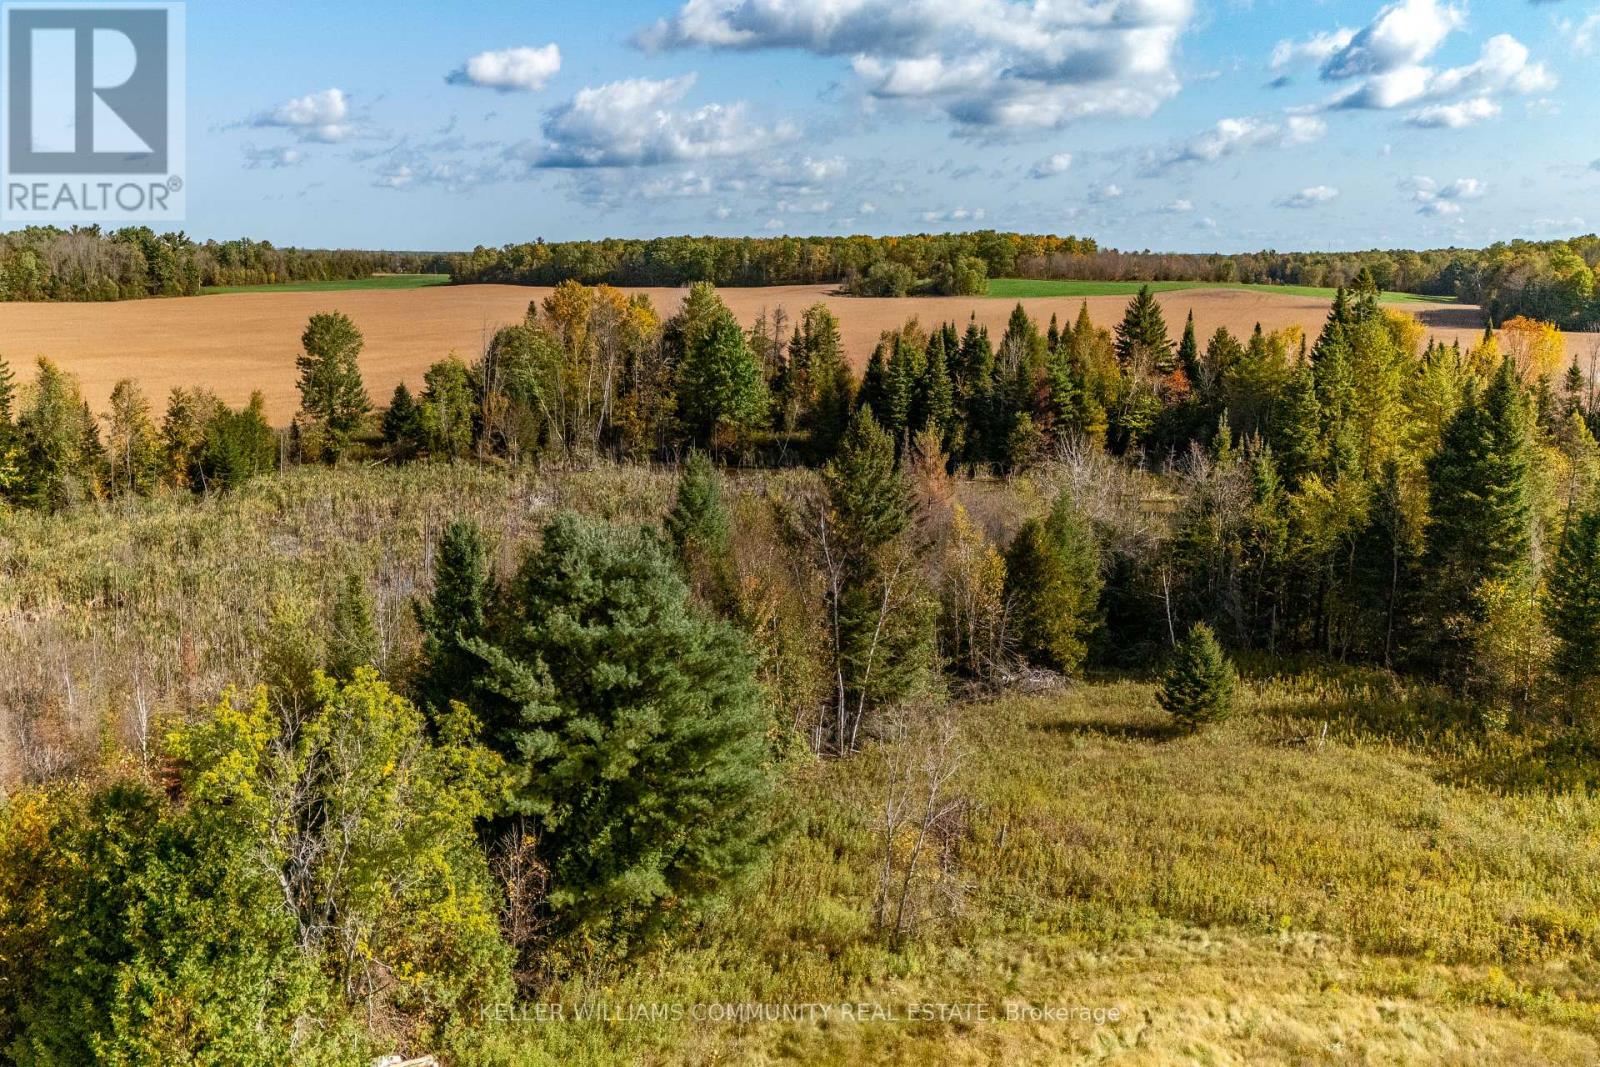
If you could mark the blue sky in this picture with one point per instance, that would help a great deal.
(1167, 124)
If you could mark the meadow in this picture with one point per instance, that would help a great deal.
(1341, 872)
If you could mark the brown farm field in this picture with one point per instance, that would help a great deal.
(237, 342)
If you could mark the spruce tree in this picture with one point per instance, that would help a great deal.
(937, 398)
(1572, 603)
(701, 536)
(1053, 584)
(721, 390)
(452, 618)
(401, 426)
(1189, 353)
(1480, 516)
(1200, 683)
(1144, 330)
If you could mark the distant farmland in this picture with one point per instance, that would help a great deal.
(1019, 288)
(376, 281)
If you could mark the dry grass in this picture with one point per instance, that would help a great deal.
(236, 342)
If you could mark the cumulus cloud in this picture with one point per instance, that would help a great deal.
(1455, 116)
(1050, 166)
(1108, 191)
(635, 123)
(1234, 135)
(1309, 197)
(959, 214)
(1386, 64)
(1443, 201)
(1440, 209)
(509, 70)
(323, 116)
(988, 64)
(1179, 207)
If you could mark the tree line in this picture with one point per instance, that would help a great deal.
(88, 264)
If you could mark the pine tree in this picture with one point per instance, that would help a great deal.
(1572, 603)
(1144, 330)
(882, 613)
(875, 388)
(1053, 584)
(1199, 685)
(332, 395)
(452, 618)
(634, 726)
(937, 395)
(353, 637)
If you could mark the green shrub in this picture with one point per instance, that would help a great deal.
(1200, 684)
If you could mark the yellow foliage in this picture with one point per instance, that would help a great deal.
(1535, 347)
(1406, 332)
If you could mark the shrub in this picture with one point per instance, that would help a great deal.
(1200, 683)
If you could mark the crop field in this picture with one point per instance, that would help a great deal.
(237, 342)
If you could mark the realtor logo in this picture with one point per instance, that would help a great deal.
(94, 113)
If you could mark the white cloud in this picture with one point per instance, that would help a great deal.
(1455, 116)
(634, 123)
(1050, 166)
(1443, 200)
(1179, 207)
(1008, 64)
(1108, 191)
(322, 116)
(1234, 135)
(1440, 209)
(1310, 197)
(867, 208)
(1387, 63)
(1318, 48)
(512, 69)
(1401, 35)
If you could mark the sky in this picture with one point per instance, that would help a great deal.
(1175, 125)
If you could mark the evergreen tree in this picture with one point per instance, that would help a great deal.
(452, 618)
(1297, 431)
(937, 395)
(882, 613)
(1053, 585)
(833, 386)
(1572, 603)
(402, 427)
(1480, 517)
(59, 443)
(1144, 330)
(1189, 353)
(633, 724)
(699, 530)
(353, 636)
(235, 446)
(1199, 685)
(722, 394)
(332, 395)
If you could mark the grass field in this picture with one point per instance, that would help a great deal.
(376, 281)
(1024, 288)
(1331, 878)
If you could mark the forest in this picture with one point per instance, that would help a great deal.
(518, 686)
(88, 264)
